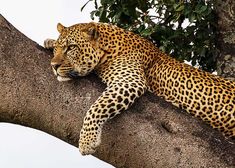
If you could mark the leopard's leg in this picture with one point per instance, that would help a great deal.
(49, 43)
(112, 102)
(123, 88)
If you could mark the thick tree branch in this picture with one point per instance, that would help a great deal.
(225, 10)
(151, 134)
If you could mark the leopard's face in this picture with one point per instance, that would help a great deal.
(74, 55)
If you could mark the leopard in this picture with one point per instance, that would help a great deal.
(131, 65)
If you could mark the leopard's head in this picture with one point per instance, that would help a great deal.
(74, 53)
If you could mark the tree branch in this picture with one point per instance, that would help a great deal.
(226, 38)
(152, 133)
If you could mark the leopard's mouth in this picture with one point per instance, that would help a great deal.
(73, 74)
(65, 76)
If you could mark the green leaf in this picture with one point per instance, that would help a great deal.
(180, 8)
(146, 32)
(200, 9)
(105, 2)
(203, 8)
(187, 10)
(192, 17)
(141, 28)
(92, 14)
(176, 17)
(102, 15)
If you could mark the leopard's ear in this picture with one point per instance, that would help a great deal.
(60, 27)
(90, 31)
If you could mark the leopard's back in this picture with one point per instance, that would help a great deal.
(200, 93)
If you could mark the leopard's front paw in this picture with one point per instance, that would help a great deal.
(89, 140)
(49, 43)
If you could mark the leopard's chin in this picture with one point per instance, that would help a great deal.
(63, 79)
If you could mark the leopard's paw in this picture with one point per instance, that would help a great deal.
(49, 43)
(89, 141)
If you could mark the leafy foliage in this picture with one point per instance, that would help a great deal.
(183, 28)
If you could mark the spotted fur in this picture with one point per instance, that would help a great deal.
(130, 65)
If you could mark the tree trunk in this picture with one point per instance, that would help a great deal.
(225, 10)
(151, 134)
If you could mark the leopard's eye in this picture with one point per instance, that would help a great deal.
(71, 47)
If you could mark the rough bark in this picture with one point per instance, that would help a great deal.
(225, 10)
(151, 134)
